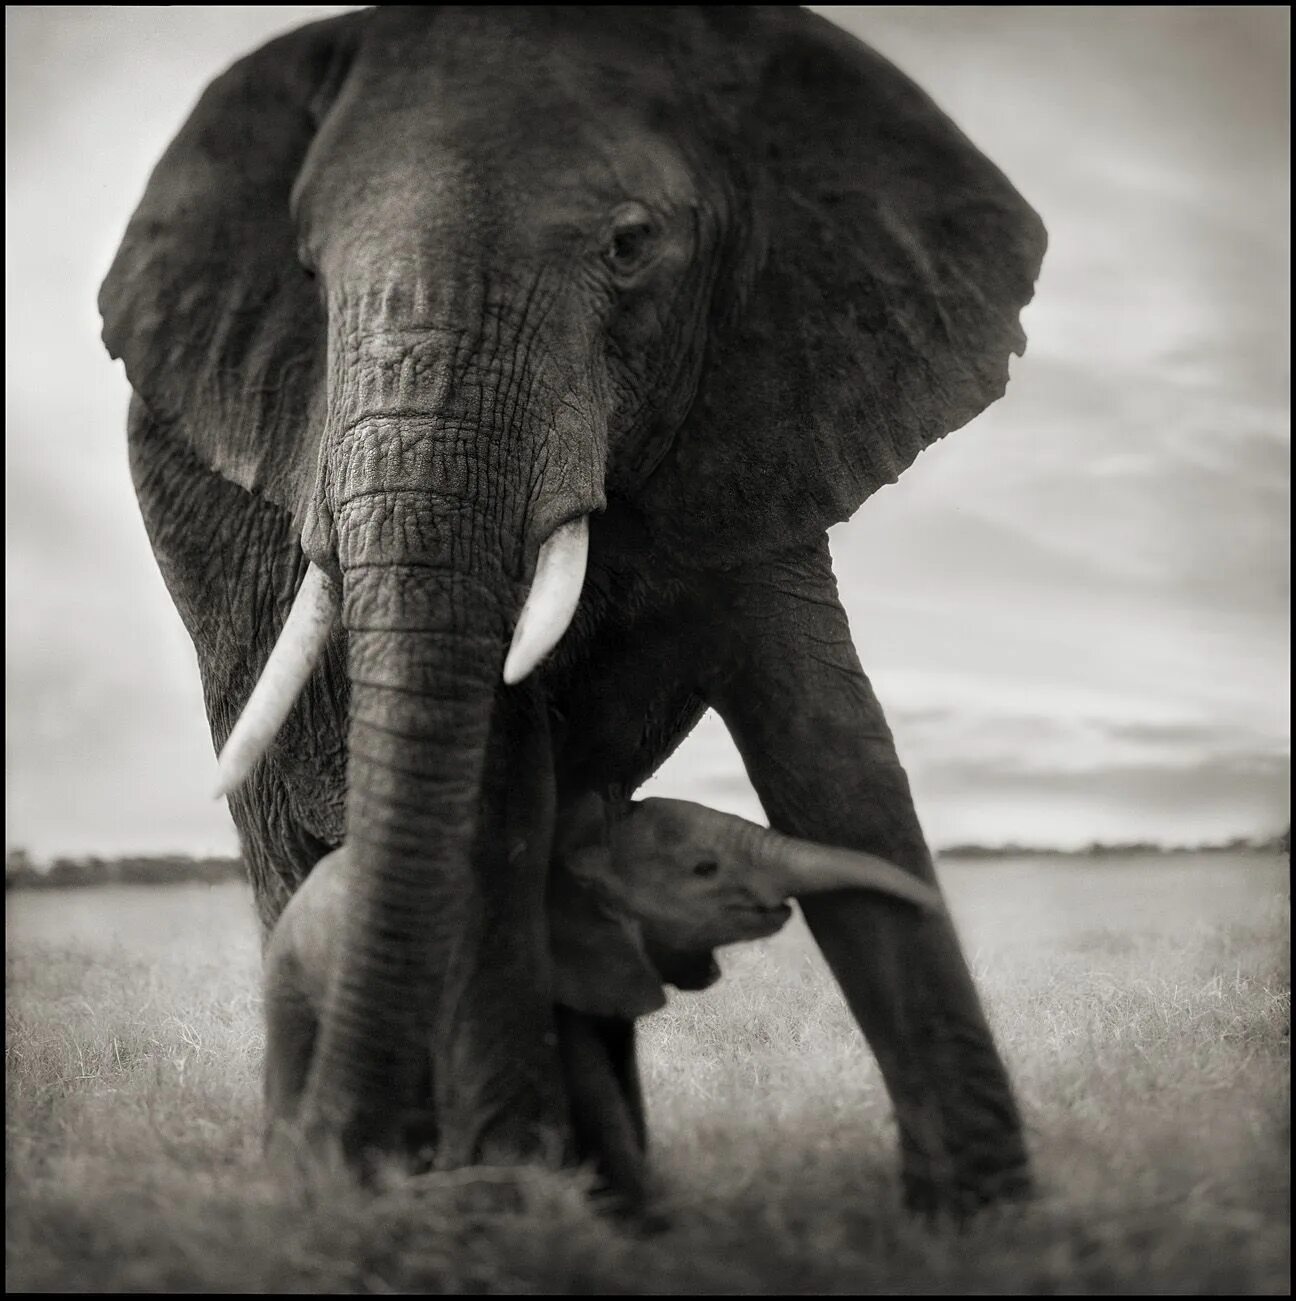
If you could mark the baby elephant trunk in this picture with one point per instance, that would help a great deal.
(802, 867)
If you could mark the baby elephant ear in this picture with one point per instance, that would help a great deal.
(218, 324)
(885, 265)
(600, 965)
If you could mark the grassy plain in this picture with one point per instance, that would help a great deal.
(1143, 1006)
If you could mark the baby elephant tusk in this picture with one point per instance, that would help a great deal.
(300, 645)
(555, 593)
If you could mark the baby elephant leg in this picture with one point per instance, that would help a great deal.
(299, 957)
(291, 1027)
(607, 1114)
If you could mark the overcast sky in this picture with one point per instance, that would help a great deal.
(1075, 609)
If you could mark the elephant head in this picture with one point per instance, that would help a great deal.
(440, 284)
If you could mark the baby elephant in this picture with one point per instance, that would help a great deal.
(638, 896)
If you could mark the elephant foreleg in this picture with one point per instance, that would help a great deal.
(822, 760)
(607, 1111)
(292, 1025)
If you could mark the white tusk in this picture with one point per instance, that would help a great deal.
(555, 593)
(300, 645)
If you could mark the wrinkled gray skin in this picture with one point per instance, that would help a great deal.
(637, 897)
(413, 287)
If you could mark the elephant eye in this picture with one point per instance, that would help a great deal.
(707, 867)
(632, 241)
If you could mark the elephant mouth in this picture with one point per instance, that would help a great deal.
(765, 919)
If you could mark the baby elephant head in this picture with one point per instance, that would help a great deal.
(696, 879)
(644, 897)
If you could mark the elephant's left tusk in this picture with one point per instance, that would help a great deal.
(555, 593)
(300, 645)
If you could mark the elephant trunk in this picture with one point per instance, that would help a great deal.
(802, 867)
(421, 697)
(429, 595)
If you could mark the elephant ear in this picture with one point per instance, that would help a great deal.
(600, 965)
(219, 326)
(885, 263)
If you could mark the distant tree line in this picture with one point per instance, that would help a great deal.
(22, 873)
(1280, 844)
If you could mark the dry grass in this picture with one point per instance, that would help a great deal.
(1144, 1009)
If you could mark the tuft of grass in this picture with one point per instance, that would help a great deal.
(1144, 1015)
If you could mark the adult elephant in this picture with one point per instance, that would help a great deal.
(491, 326)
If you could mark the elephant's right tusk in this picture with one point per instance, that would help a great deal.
(300, 645)
(555, 593)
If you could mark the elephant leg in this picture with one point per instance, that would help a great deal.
(607, 1111)
(291, 1033)
(619, 1038)
(822, 760)
(291, 1029)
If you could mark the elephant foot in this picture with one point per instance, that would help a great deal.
(306, 1155)
(417, 1139)
(940, 1200)
(358, 1150)
(941, 1181)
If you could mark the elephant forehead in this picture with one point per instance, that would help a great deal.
(440, 102)
(535, 53)
(654, 826)
(681, 824)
